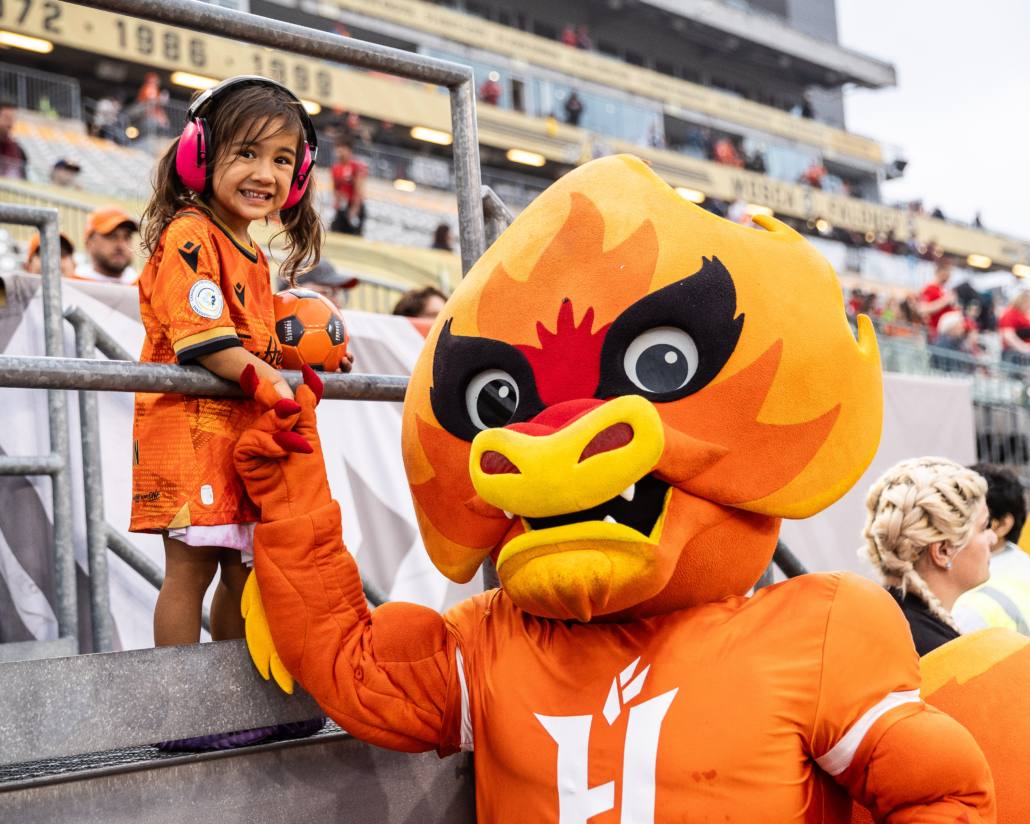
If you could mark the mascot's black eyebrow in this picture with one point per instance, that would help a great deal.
(457, 360)
(703, 305)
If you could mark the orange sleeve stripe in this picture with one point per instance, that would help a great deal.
(203, 337)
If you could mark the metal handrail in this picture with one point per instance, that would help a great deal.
(129, 376)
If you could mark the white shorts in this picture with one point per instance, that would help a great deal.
(230, 536)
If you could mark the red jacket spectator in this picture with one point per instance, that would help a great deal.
(934, 301)
(12, 158)
(1014, 325)
(490, 92)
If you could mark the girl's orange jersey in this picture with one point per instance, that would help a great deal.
(201, 291)
(770, 709)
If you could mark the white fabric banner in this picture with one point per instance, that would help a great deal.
(361, 441)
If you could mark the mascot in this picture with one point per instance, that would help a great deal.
(618, 405)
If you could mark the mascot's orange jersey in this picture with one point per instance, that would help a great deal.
(655, 721)
(202, 291)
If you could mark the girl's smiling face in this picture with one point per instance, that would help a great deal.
(253, 177)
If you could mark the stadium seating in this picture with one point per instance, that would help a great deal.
(106, 167)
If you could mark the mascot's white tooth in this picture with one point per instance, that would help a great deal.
(507, 514)
(608, 519)
(629, 492)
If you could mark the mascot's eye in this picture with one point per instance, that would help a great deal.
(673, 342)
(480, 384)
(661, 360)
(492, 398)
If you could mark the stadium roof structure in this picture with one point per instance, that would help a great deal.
(715, 22)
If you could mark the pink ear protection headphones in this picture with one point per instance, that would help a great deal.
(195, 143)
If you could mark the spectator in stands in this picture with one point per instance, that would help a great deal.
(977, 222)
(583, 40)
(442, 238)
(814, 175)
(1004, 601)
(349, 187)
(490, 91)
(937, 213)
(427, 302)
(928, 536)
(106, 118)
(726, 154)
(386, 134)
(573, 109)
(935, 300)
(325, 280)
(152, 97)
(109, 232)
(1014, 326)
(955, 333)
(568, 36)
(755, 162)
(65, 173)
(34, 261)
(12, 157)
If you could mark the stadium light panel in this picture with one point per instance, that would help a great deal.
(432, 136)
(693, 195)
(979, 261)
(404, 185)
(1021, 270)
(20, 41)
(192, 81)
(755, 209)
(526, 158)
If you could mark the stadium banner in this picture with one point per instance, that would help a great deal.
(174, 49)
(361, 441)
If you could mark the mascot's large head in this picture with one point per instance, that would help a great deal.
(627, 394)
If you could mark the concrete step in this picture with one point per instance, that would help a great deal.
(76, 739)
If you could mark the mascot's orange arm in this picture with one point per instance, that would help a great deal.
(382, 676)
(387, 677)
(905, 761)
(923, 769)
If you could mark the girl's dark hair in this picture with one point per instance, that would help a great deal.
(245, 114)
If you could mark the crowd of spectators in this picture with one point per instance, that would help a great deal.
(966, 329)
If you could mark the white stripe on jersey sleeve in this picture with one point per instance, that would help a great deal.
(839, 757)
(467, 744)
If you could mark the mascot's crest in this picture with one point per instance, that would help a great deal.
(627, 393)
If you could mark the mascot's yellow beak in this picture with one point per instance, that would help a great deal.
(561, 472)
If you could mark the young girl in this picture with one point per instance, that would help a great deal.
(247, 151)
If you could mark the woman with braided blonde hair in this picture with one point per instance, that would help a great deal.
(928, 536)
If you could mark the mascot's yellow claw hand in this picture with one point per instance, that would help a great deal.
(259, 638)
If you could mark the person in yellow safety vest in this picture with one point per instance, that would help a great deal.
(1004, 601)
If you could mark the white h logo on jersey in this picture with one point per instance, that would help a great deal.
(576, 801)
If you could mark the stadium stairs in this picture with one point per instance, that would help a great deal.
(76, 739)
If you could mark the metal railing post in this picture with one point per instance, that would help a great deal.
(471, 230)
(57, 403)
(93, 490)
(56, 463)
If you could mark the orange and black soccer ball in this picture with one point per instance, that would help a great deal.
(310, 330)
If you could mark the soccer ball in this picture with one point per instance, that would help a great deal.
(310, 330)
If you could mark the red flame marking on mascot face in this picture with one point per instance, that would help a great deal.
(567, 365)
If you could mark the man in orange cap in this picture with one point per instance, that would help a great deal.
(34, 261)
(109, 232)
